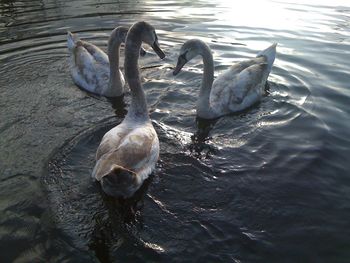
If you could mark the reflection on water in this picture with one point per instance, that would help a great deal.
(119, 106)
(269, 184)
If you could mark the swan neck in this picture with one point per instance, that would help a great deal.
(138, 108)
(115, 79)
(203, 103)
(208, 72)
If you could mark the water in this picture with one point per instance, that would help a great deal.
(270, 184)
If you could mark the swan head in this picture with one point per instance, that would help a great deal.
(118, 36)
(189, 50)
(148, 35)
(120, 182)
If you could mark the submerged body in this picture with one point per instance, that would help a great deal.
(236, 89)
(128, 153)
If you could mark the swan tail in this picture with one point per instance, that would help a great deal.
(71, 40)
(270, 54)
(117, 181)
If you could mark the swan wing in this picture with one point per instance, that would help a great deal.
(138, 148)
(232, 85)
(237, 68)
(73, 42)
(87, 72)
(249, 79)
(112, 139)
(99, 56)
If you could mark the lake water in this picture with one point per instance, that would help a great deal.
(270, 184)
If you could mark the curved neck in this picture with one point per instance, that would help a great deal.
(203, 103)
(115, 80)
(138, 107)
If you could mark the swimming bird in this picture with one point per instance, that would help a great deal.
(93, 70)
(128, 153)
(236, 89)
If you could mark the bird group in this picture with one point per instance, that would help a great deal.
(128, 153)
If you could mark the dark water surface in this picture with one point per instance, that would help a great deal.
(270, 184)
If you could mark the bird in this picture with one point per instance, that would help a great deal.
(95, 71)
(128, 153)
(236, 89)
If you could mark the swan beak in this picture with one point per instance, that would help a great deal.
(180, 63)
(157, 49)
(142, 52)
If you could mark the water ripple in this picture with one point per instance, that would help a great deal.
(266, 184)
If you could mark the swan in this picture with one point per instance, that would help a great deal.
(128, 152)
(236, 89)
(92, 69)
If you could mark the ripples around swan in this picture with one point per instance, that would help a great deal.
(269, 184)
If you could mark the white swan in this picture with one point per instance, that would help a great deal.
(236, 89)
(92, 69)
(128, 153)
